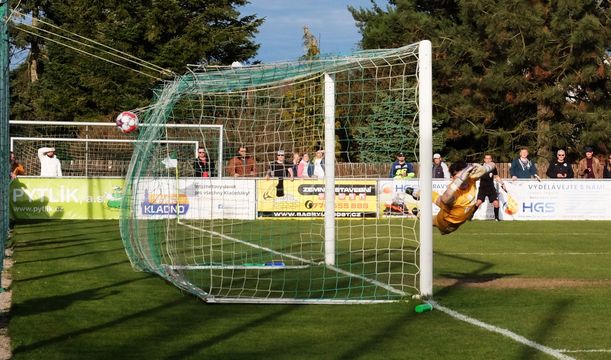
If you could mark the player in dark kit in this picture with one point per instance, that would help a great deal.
(487, 188)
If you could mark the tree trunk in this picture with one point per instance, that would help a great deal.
(544, 113)
(34, 51)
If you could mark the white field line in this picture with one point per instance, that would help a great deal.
(543, 253)
(235, 267)
(530, 234)
(226, 237)
(585, 351)
(507, 333)
(344, 272)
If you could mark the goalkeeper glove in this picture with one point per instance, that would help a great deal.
(411, 191)
(477, 171)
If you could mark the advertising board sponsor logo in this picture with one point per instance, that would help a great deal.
(538, 207)
(164, 204)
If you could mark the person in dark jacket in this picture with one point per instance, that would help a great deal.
(559, 168)
(522, 167)
(203, 166)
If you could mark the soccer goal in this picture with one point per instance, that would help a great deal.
(318, 233)
(94, 149)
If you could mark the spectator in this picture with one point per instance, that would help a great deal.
(203, 166)
(559, 168)
(440, 169)
(607, 169)
(589, 166)
(50, 166)
(241, 164)
(487, 189)
(280, 169)
(319, 164)
(16, 168)
(296, 161)
(305, 169)
(401, 169)
(522, 167)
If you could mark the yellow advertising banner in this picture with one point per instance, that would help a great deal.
(305, 198)
(66, 198)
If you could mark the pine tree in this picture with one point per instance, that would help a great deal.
(508, 73)
(68, 85)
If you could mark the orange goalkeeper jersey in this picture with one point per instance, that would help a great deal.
(463, 206)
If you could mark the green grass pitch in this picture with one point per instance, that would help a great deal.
(75, 296)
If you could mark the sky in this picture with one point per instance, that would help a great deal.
(281, 35)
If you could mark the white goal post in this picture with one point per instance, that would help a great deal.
(344, 235)
(97, 137)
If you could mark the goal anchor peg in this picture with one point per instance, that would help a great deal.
(423, 308)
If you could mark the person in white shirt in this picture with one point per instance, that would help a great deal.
(50, 166)
(319, 164)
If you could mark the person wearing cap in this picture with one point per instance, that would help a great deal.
(280, 169)
(400, 169)
(559, 168)
(522, 167)
(440, 168)
(589, 166)
(50, 166)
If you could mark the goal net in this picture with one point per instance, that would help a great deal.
(322, 224)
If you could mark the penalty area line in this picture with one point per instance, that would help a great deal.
(585, 351)
(549, 253)
(558, 354)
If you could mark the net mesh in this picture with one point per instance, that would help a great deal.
(260, 235)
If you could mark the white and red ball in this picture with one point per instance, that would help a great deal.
(127, 121)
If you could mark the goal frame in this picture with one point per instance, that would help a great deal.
(422, 275)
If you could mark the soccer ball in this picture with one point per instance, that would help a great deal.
(127, 121)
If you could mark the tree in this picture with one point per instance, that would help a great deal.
(67, 85)
(508, 73)
(310, 44)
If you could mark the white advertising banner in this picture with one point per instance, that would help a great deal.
(196, 198)
(394, 202)
(557, 200)
(524, 200)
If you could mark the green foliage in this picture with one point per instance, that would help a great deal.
(76, 297)
(387, 130)
(508, 73)
(392, 126)
(170, 34)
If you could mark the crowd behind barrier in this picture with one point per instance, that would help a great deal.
(97, 168)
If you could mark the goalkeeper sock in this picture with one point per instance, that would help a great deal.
(496, 213)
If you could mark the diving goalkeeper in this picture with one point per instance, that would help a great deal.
(457, 204)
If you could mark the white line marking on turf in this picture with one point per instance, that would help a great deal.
(341, 271)
(585, 351)
(535, 233)
(528, 253)
(507, 333)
